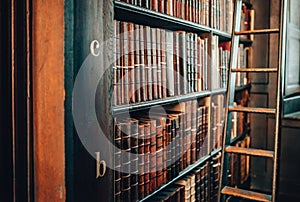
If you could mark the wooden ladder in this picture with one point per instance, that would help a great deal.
(224, 190)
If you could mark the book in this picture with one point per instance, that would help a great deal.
(117, 161)
(124, 63)
(131, 64)
(148, 64)
(126, 175)
(169, 63)
(155, 85)
(134, 163)
(143, 83)
(137, 64)
(141, 161)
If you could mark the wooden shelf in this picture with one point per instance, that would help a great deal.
(183, 173)
(165, 101)
(151, 18)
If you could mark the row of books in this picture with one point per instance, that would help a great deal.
(218, 116)
(201, 185)
(152, 63)
(196, 11)
(219, 63)
(153, 150)
(221, 15)
(220, 58)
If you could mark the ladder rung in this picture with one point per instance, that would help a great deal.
(246, 194)
(250, 151)
(260, 31)
(253, 110)
(255, 70)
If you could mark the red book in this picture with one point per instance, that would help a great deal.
(137, 64)
(143, 82)
(131, 77)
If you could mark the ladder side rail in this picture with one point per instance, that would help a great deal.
(279, 96)
(230, 94)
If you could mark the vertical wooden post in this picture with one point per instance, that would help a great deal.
(48, 99)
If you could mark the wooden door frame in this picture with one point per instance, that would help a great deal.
(16, 107)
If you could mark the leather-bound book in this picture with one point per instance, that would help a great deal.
(141, 165)
(137, 64)
(131, 64)
(147, 158)
(143, 82)
(118, 161)
(126, 175)
(134, 158)
(125, 78)
(148, 65)
(154, 63)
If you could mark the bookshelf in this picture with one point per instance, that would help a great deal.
(117, 117)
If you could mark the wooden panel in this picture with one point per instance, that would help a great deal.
(6, 172)
(93, 27)
(48, 96)
(289, 158)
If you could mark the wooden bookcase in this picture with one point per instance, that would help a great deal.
(89, 58)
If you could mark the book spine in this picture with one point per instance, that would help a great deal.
(146, 4)
(152, 156)
(158, 62)
(142, 62)
(198, 135)
(184, 142)
(206, 132)
(198, 184)
(193, 131)
(169, 152)
(147, 159)
(188, 131)
(188, 61)
(161, 6)
(159, 156)
(176, 64)
(118, 162)
(137, 64)
(163, 64)
(177, 144)
(154, 5)
(134, 159)
(141, 149)
(182, 62)
(154, 63)
(126, 176)
(195, 57)
(116, 47)
(170, 63)
(165, 158)
(148, 66)
(125, 82)
(131, 76)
